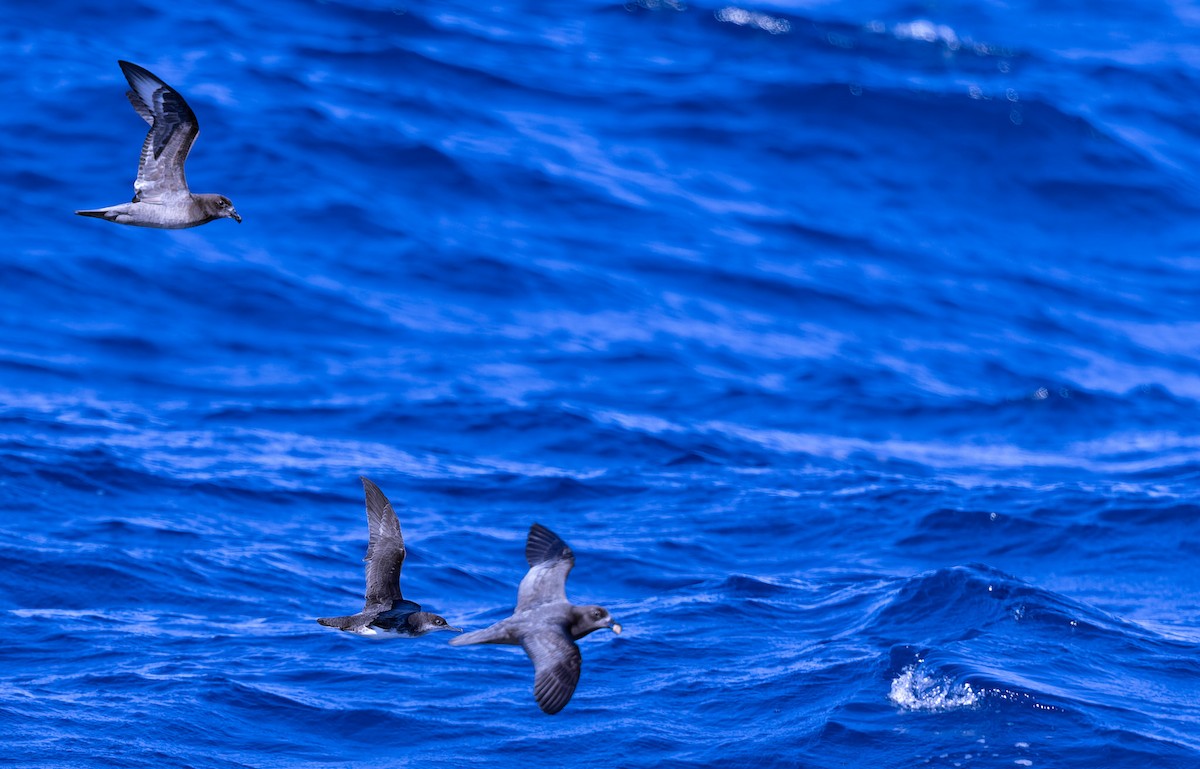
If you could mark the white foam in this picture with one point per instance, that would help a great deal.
(914, 689)
(743, 17)
(928, 32)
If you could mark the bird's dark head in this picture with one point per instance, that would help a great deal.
(219, 207)
(591, 618)
(422, 622)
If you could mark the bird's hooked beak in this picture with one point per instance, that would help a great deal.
(455, 629)
(234, 215)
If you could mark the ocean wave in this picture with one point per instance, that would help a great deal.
(849, 345)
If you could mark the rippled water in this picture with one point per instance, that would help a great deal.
(851, 346)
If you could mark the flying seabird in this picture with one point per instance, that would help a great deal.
(384, 607)
(545, 623)
(161, 197)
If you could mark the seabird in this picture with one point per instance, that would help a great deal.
(161, 197)
(545, 623)
(384, 607)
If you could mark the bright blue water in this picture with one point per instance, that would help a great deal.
(854, 348)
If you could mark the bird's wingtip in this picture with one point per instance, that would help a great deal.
(543, 545)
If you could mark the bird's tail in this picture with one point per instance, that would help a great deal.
(99, 213)
(338, 622)
(496, 634)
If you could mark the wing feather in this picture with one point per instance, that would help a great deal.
(173, 129)
(550, 561)
(556, 666)
(385, 548)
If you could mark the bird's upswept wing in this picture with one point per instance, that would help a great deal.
(385, 549)
(173, 128)
(550, 561)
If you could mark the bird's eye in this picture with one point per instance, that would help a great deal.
(223, 203)
(439, 621)
(597, 613)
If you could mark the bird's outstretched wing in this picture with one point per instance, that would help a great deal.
(173, 128)
(556, 665)
(385, 549)
(550, 561)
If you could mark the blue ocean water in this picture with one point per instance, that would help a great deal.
(853, 347)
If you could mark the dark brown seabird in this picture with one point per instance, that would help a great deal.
(545, 623)
(161, 197)
(384, 608)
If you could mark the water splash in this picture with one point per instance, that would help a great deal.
(915, 689)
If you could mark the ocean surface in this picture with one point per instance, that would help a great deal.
(854, 348)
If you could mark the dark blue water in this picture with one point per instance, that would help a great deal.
(853, 347)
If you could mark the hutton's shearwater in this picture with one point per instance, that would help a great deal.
(161, 197)
(384, 607)
(545, 623)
